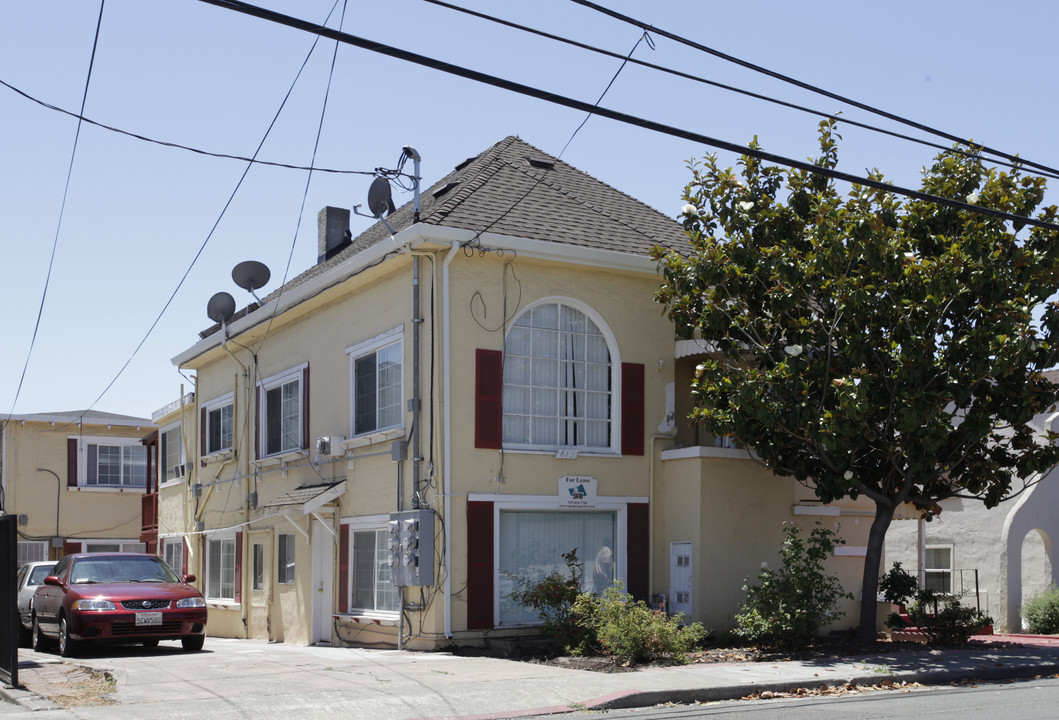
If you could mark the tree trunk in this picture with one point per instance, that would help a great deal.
(869, 590)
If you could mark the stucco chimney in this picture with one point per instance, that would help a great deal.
(332, 232)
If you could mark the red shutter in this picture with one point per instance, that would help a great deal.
(632, 408)
(204, 449)
(343, 570)
(305, 408)
(638, 568)
(70, 548)
(480, 565)
(184, 555)
(71, 462)
(488, 409)
(238, 567)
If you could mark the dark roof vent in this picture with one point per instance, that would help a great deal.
(442, 190)
(542, 163)
(466, 162)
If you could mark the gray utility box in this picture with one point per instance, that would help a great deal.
(412, 547)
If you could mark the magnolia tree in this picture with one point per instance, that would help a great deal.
(869, 345)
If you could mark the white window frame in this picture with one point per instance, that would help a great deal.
(168, 543)
(286, 553)
(95, 545)
(614, 421)
(617, 504)
(217, 405)
(940, 571)
(163, 465)
(294, 374)
(379, 525)
(208, 588)
(391, 338)
(83, 444)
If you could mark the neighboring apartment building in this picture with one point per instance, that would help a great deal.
(75, 480)
(498, 371)
(992, 558)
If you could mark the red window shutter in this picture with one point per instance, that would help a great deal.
(305, 408)
(238, 567)
(343, 570)
(480, 566)
(184, 556)
(632, 408)
(637, 565)
(204, 449)
(71, 548)
(488, 409)
(71, 462)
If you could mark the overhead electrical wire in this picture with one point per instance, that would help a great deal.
(467, 73)
(62, 213)
(724, 86)
(807, 86)
(81, 118)
(249, 164)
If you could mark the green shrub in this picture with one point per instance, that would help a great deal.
(631, 631)
(787, 607)
(553, 599)
(609, 624)
(1041, 612)
(942, 618)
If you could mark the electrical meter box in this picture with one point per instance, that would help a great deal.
(412, 548)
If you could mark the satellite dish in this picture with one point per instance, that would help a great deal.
(220, 308)
(379, 198)
(251, 275)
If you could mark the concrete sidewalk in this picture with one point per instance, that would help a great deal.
(247, 678)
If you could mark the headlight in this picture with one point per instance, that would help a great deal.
(191, 602)
(92, 604)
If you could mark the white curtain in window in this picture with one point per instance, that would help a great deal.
(532, 543)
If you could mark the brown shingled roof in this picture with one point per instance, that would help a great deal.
(515, 189)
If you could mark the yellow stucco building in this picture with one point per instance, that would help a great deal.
(452, 400)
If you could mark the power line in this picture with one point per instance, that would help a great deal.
(806, 86)
(62, 213)
(720, 85)
(81, 118)
(459, 71)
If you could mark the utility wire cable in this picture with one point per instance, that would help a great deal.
(250, 164)
(724, 86)
(806, 86)
(510, 85)
(62, 213)
(81, 118)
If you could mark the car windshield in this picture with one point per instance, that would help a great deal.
(37, 574)
(112, 568)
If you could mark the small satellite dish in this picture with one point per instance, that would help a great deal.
(220, 308)
(379, 198)
(251, 275)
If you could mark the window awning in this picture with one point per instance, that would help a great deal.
(309, 497)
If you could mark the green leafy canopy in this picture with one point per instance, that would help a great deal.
(867, 344)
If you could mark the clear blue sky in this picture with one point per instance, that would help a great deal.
(186, 72)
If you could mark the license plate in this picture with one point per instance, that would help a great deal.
(148, 618)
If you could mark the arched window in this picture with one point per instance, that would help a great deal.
(558, 380)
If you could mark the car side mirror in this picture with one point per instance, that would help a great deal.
(52, 580)
(187, 579)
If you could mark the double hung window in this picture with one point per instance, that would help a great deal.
(119, 463)
(377, 379)
(220, 569)
(282, 413)
(218, 420)
(172, 454)
(370, 576)
(285, 570)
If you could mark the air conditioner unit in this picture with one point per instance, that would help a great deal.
(181, 470)
(330, 446)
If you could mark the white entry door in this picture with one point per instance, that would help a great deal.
(680, 578)
(323, 569)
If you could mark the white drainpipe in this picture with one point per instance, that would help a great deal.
(446, 343)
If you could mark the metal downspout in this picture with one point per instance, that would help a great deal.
(446, 342)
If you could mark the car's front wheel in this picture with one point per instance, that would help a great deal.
(67, 645)
(192, 643)
(25, 635)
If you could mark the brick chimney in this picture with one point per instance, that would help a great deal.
(332, 232)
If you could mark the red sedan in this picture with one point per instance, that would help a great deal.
(116, 597)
